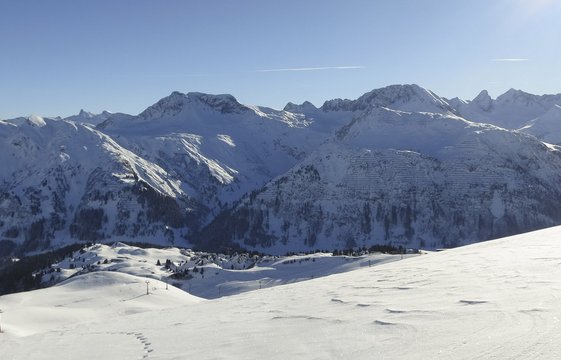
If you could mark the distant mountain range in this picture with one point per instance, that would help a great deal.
(399, 165)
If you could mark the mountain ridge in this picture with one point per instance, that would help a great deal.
(185, 162)
(408, 179)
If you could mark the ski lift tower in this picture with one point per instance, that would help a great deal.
(1, 321)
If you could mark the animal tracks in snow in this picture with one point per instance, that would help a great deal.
(145, 343)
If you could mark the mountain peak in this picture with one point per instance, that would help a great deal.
(483, 100)
(85, 114)
(338, 105)
(408, 97)
(515, 95)
(484, 94)
(401, 94)
(36, 121)
(171, 104)
(305, 107)
(176, 94)
(177, 102)
(86, 117)
(225, 103)
(513, 91)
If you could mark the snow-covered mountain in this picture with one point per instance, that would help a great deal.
(153, 177)
(218, 148)
(546, 127)
(400, 157)
(33, 119)
(397, 97)
(62, 181)
(411, 179)
(511, 110)
(340, 112)
(86, 117)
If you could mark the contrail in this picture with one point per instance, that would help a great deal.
(510, 60)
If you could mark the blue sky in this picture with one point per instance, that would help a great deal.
(57, 57)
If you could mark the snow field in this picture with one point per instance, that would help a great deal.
(493, 300)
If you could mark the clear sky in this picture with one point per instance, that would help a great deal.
(58, 56)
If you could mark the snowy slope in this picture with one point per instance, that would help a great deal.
(546, 127)
(411, 179)
(510, 110)
(61, 181)
(494, 300)
(93, 297)
(220, 149)
(207, 275)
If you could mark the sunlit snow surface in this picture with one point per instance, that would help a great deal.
(494, 300)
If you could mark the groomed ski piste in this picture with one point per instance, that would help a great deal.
(499, 299)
